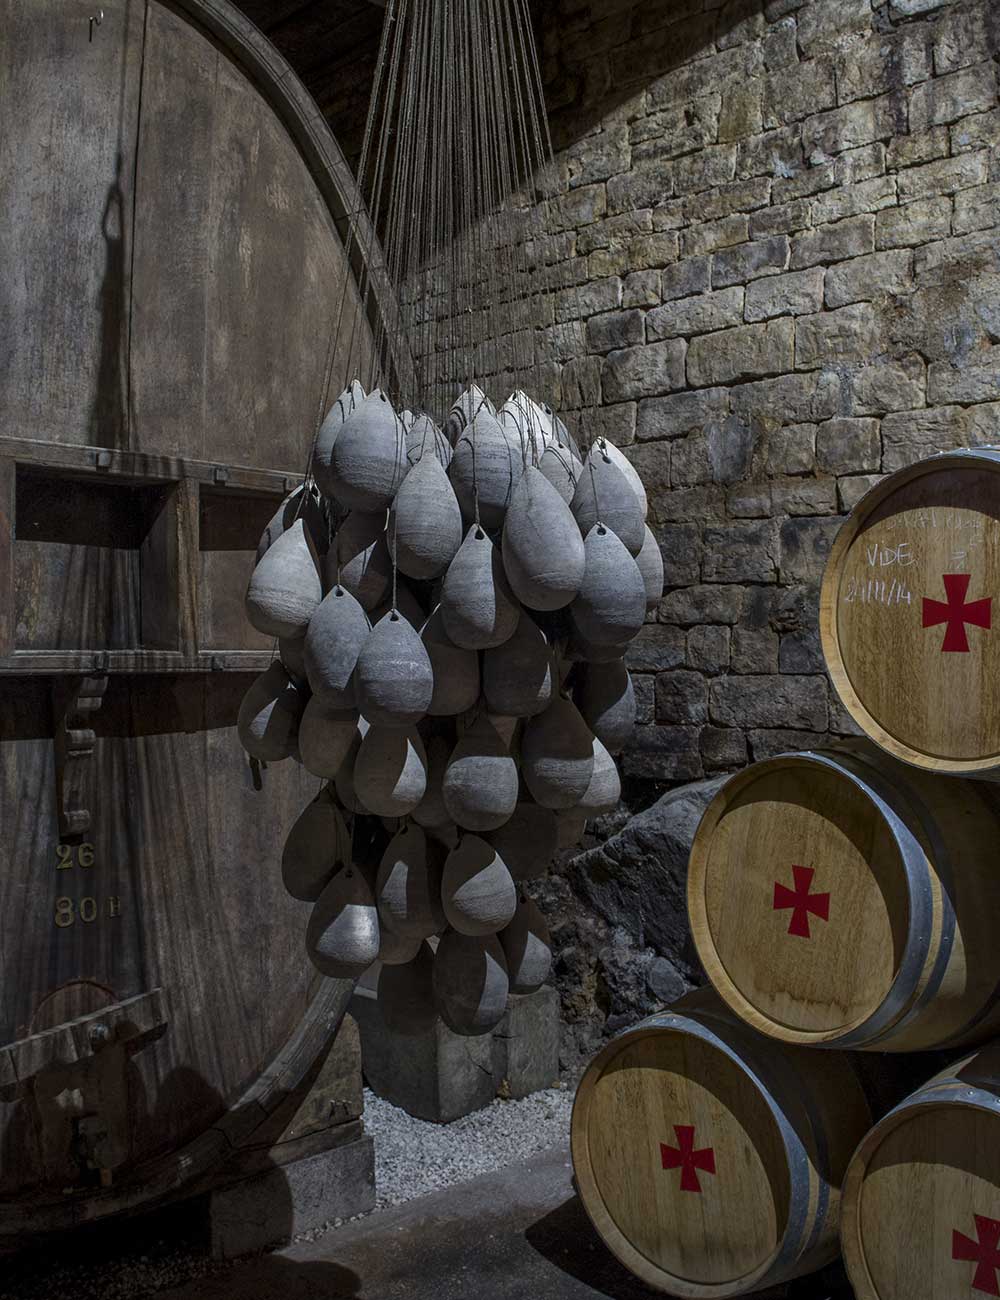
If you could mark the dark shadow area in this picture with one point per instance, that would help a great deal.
(109, 412)
(191, 1241)
(567, 1240)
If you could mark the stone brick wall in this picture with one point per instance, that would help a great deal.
(776, 238)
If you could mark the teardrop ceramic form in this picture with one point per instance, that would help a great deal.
(292, 653)
(337, 632)
(393, 679)
(396, 949)
(478, 608)
(543, 551)
(424, 437)
(557, 756)
(268, 720)
(480, 782)
(285, 587)
(604, 789)
(606, 700)
(390, 771)
(611, 605)
(523, 414)
(408, 887)
(425, 524)
(558, 467)
(517, 676)
(470, 983)
(359, 559)
(528, 841)
(294, 507)
(527, 947)
(325, 737)
(485, 463)
(431, 812)
(456, 671)
(405, 995)
(342, 938)
(650, 562)
(603, 495)
(317, 846)
(477, 890)
(628, 470)
(369, 456)
(466, 407)
(344, 780)
(345, 405)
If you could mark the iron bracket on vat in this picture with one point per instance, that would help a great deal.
(74, 702)
(75, 1078)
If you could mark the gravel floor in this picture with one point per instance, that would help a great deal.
(137, 1258)
(413, 1157)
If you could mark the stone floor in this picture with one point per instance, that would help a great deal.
(515, 1233)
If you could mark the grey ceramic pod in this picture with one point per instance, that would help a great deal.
(342, 937)
(285, 587)
(337, 633)
(543, 551)
(390, 771)
(369, 456)
(477, 890)
(610, 607)
(478, 608)
(268, 721)
(322, 463)
(470, 983)
(604, 495)
(393, 678)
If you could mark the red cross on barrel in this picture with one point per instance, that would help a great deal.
(685, 1158)
(984, 1252)
(955, 613)
(801, 901)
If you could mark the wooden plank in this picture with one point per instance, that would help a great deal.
(7, 526)
(230, 345)
(142, 468)
(32, 663)
(188, 600)
(66, 191)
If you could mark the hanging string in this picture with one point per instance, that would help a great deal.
(448, 243)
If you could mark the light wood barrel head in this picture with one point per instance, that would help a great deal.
(681, 1165)
(923, 1218)
(911, 616)
(798, 899)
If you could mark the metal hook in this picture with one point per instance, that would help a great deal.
(95, 21)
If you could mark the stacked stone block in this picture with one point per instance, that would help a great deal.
(776, 237)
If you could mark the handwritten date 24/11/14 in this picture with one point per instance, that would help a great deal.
(877, 591)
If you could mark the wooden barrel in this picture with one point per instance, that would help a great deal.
(710, 1159)
(839, 898)
(168, 312)
(921, 1204)
(910, 626)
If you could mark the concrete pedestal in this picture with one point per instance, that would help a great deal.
(272, 1207)
(440, 1076)
(308, 1163)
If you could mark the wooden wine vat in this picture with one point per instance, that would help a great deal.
(921, 1201)
(172, 200)
(710, 1159)
(909, 616)
(842, 899)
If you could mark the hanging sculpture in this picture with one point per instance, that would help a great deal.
(455, 585)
